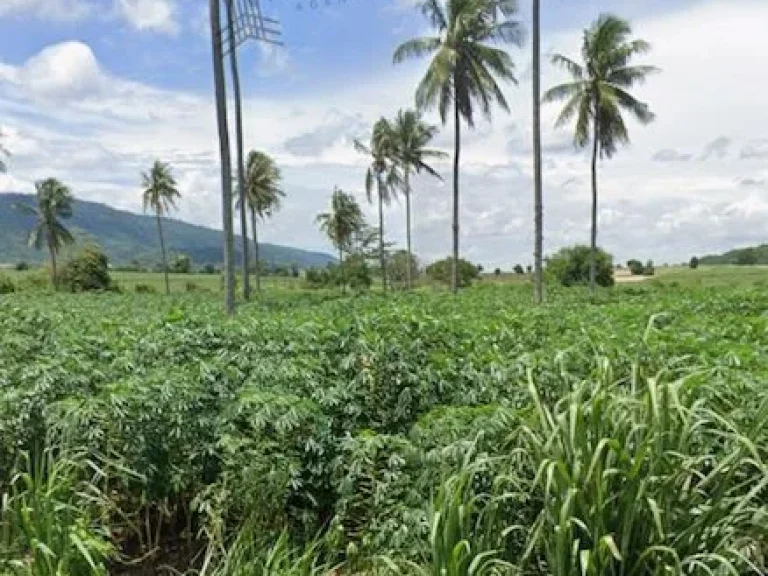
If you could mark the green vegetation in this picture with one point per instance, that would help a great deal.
(463, 71)
(597, 96)
(160, 195)
(576, 265)
(263, 197)
(461, 275)
(392, 436)
(755, 255)
(54, 204)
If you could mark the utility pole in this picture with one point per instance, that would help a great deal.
(245, 21)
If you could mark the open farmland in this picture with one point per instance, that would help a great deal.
(380, 433)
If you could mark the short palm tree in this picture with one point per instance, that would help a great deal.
(383, 175)
(463, 70)
(341, 225)
(160, 194)
(598, 94)
(263, 196)
(54, 204)
(412, 135)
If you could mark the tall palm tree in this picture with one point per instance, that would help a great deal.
(224, 152)
(342, 223)
(160, 194)
(463, 70)
(239, 141)
(54, 204)
(263, 196)
(411, 138)
(598, 94)
(383, 172)
(538, 216)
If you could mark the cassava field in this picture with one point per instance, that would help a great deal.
(408, 434)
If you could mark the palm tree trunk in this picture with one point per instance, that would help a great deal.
(240, 147)
(162, 253)
(226, 162)
(341, 268)
(593, 242)
(456, 152)
(408, 225)
(538, 217)
(382, 259)
(54, 275)
(257, 265)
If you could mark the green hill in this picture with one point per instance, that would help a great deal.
(126, 236)
(752, 256)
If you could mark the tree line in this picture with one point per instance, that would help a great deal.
(468, 64)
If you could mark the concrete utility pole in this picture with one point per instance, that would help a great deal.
(245, 21)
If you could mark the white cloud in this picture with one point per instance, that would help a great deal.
(65, 115)
(154, 15)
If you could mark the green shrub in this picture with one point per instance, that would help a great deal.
(694, 263)
(397, 268)
(6, 285)
(182, 264)
(440, 271)
(519, 269)
(191, 287)
(570, 266)
(144, 289)
(21, 266)
(649, 269)
(86, 272)
(635, 267)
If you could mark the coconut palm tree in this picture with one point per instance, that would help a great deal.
(160, 195)
(341, 225)
(599, 93)
(464, 70)
(54, 204)
(239, 141)
(538, 216)
(411, 138)
(383, 172)
(263, 196)
(224, 152)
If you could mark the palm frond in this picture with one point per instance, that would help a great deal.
(415, 48)
(565, 91)
(568, 65)
(628, 76)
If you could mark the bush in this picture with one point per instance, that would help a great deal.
(21, 266)
(191, 287)
(397, 269)
(694, 263)
(649, 269)
(635, 267)
(144, 289)
(497, 272)
(571, 266)
(182, 264)
(440, 271)
(357, 273)
(86, 272)
(6, 285)
(208, 269)
(519, 269)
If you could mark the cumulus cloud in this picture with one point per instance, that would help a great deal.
(154, 15)
(669, 155)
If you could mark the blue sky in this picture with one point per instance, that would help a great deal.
(91, 91)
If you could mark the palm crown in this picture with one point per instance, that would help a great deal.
(411, 137)
(160, 192)
(465, 66)
(343, 221)
(263, 191)
(598, 93)
(54, 203)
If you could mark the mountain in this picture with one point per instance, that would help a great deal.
(755, 255)
(126, 236)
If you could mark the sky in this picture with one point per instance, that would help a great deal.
(92, 91)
